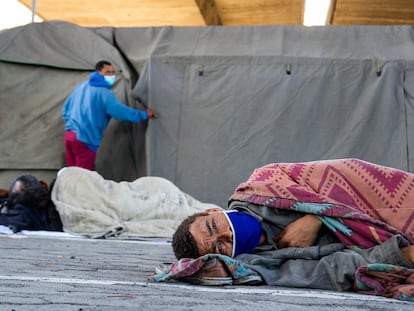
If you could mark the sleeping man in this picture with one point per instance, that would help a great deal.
(316, 225)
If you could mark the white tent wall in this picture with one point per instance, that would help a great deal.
(229, 99)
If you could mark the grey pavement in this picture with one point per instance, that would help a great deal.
(55, 273)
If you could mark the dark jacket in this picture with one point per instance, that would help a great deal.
(21, 217)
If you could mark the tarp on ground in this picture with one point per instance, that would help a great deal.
(229, 99)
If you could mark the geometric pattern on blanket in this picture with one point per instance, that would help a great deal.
(372, 201)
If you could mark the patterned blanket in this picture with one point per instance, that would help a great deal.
(361, 202)
(385, 280)
(187, 267)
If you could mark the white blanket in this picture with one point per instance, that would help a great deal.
(90, 205)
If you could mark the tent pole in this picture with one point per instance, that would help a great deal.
(33, 10)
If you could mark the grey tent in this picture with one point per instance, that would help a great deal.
(229, 99)
(40, 66)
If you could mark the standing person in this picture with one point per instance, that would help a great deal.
(87, 112)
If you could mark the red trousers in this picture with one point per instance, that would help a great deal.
(78, 153)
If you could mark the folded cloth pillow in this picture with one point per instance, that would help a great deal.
(206, 270)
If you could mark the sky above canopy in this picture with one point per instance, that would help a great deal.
(13, 14)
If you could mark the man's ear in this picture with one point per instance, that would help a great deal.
(213, 210)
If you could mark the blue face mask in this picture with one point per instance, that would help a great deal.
(110, 79)
(247, 231)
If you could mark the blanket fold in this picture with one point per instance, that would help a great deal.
(385, 280)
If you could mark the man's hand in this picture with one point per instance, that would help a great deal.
(300, 233)
(151, 113)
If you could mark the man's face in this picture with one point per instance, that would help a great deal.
(212, 234)
(107, 70)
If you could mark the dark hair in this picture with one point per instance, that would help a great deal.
(99, 65)
(31, 192)
(183, 243)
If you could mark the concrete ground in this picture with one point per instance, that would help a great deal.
(56, 273)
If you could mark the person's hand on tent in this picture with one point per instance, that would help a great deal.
(151, 113)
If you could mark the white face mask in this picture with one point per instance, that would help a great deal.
(110, 79)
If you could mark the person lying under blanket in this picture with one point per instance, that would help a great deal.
(333, 224)
(87, 204)
(96, 207)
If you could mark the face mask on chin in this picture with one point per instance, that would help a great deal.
(110, 79)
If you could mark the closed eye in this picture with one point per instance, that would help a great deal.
(220, 247)
(213, 224)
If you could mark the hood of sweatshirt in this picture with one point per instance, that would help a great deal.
(95, 79)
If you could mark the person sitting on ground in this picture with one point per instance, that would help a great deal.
(29, 207)
(307, 225)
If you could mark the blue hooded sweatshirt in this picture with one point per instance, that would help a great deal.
(90, 107)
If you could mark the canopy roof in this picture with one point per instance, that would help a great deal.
(144, 13)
